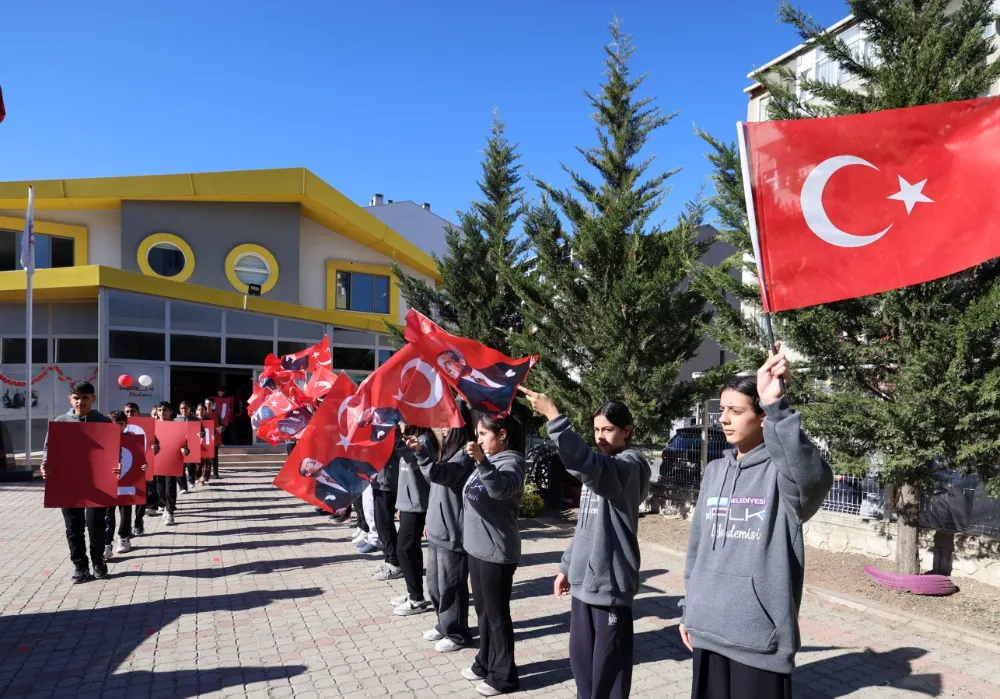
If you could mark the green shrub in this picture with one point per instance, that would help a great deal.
(531, 502)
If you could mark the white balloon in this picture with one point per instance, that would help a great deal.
(145, 381)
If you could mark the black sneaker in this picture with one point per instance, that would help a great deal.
(138, 530)
(81, 575)
(101, 572)
(340, 519)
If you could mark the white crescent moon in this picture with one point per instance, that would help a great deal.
(136, 429)
(341, 409)
(437, 386)
(815, 214)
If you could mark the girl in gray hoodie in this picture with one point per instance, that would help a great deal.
(492, 501)
(745, 558)
(447, 562)
(600, 568)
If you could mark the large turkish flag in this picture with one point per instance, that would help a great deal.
(856, 205)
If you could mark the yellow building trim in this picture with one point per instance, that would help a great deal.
(150, 241)
(246, 248)
(318, 200)
(67, 283)
(334, 266)
(79, 234)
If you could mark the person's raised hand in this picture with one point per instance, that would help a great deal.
(561, 586)
(413, 443)
(540, 403)
(770, 375)
(475, 452)
(45, 469)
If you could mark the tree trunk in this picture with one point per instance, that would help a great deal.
(908, 530)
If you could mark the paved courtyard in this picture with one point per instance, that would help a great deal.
(252, 594)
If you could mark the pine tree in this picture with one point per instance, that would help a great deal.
(912, 376)
(606, 305)
(474, 300)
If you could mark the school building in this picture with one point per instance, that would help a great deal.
(150, 276)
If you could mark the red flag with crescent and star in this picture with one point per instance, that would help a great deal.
(306, 360)
(855, 205)
(486, 378)
(406, 388)
(335, 457)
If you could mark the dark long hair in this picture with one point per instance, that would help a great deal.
(414, 431)
(458, 437)
(515, 432)
(617, 414)
(747, 385)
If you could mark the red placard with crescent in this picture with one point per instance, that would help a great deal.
(81, 462)
(132, 479)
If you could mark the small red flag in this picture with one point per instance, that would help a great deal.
(306, 360)
(856, 205)
(488, 379)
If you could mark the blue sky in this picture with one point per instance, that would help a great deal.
(391, 97)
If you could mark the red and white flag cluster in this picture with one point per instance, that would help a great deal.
(346, 434)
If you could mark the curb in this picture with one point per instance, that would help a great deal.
(921, 623)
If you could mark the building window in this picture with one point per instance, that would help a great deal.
(126, 344)
(50, 251)
(166, 256)
(201, 349)
(250, 352)
(12, 350)
(990, 30)
(384, 356)
(827, 70)
(136, 311)
(353, 358)
(363, 293)
(166, 259)
(251, 264)
(292, 346)
(75, 350)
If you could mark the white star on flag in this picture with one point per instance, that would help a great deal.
(911, 194)
(344, 442)
(399, 395)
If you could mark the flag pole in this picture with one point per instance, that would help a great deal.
(28, 262)
(755, 237)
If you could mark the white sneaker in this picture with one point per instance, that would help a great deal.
(396, 601)
(487, 691)
(182, 492)
(359, 536)
(470, 674)
(410, 607)
(108, 552)
(124, 546)
(389, 572)
(433, 635)
(446, 645)
(168, 518)
(379, 568)
(152, 511)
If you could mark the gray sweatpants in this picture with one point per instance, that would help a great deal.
(448, 585)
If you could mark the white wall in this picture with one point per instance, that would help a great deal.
(104, 231)
(423, 228)
(317, 244)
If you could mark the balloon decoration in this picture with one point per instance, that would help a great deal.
(124, 380)
(145, 381)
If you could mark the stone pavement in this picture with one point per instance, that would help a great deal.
(252, 594)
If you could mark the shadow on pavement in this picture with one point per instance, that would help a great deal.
(80, 648)
(867, 668)
(252, 567)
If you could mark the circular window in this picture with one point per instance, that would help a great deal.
(251, 264)
(166, 256)
(166, 259)
(251, 268)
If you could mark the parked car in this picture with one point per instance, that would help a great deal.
(681, 463)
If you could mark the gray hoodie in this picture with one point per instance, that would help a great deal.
(444, 509)
(602, 560)
(492, 501)
(413, 490)
(388, 478)
(745, 559)
(92, 416)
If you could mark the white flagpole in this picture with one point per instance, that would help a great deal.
(28, 262)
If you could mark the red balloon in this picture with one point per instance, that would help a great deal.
(124, 380)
